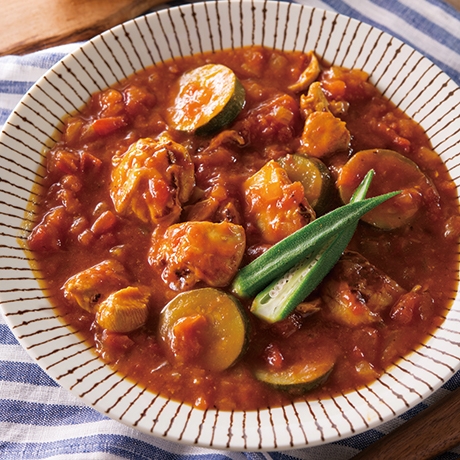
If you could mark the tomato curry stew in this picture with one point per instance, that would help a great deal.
(220, 228)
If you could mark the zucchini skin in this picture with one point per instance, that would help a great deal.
(315, 177)
(209, 98)
(223, 330)
(227, 114)
(414, 184)
(282, 382)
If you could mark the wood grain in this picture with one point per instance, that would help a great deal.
(428, 434)
(454, 3)
(31, 25)
(28, 26)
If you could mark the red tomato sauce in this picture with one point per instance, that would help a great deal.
(78, 226)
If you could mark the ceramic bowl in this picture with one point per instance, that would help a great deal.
(411, 81)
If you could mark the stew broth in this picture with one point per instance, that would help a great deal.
(79, 227)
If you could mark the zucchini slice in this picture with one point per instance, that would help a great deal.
(315, 177)
(204, 327)
(209, 98)
(393, 171)
(307, 372)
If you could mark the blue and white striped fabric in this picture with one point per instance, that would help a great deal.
(40, 420)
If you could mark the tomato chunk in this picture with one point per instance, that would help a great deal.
(105, 126)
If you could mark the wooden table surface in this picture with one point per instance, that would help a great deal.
(31, 25)
(454, 3)
(27, 26)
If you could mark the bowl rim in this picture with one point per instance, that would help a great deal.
(109, 56)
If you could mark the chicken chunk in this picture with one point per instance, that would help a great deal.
(323, 133)
(274, 120)
(152, 180)
(90, 287)
(124, 310)
(214, 205)
(190, 252)
(357, 293)
(314, 101)
(275, 207)
(308, 76)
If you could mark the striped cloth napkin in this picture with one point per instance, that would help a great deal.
(40, 420)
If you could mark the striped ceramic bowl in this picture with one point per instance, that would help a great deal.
(411, 81)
